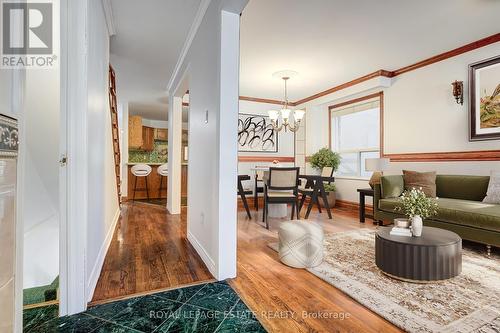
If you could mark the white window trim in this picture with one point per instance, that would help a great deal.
(335, 143)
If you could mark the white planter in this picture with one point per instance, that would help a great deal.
(416, 225)
(331, 198)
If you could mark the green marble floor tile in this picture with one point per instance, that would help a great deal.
(192, 319)
(36, 316)
(181, 295)
(114, 328)
(240, 325)
(79, 323)
(215, 296)
(209, 307)
(147, 313)
(109, 310)
(242, 311)
(222, 282)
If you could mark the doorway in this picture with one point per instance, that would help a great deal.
(40, 188)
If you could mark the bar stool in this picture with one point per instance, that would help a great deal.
(163, 172)
(141, 170)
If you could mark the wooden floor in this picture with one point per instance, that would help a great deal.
(272, 289)
(149, 251)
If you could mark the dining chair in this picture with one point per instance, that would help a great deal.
(308, 189)
(281, 187)
(242, 192)
(258, 187)
(141, 171)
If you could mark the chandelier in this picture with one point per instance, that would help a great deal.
(285, 113)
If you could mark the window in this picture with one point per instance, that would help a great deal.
(355, 135)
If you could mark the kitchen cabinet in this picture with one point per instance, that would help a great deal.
(148, 138)
(161, 134)
(135, 135)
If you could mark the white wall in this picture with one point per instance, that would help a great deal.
(211, 66)
(102, 206)
(41, 174)
(420, 115)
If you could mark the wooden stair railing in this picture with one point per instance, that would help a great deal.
(115, 130)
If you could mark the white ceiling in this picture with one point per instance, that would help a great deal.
(149, 37)
(330, 42)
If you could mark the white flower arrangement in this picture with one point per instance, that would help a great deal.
(414, 202)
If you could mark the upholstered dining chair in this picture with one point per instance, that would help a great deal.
(281, 187)
(308, 190)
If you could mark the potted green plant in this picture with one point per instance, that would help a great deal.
(417, 206)
(325, 157)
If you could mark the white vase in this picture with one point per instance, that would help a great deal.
(416, 225)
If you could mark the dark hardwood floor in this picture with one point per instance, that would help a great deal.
(150, 252)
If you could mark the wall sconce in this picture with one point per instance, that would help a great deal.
(458, 91)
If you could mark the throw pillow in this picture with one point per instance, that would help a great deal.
(493, 193)
(392, 186)
(424, 180)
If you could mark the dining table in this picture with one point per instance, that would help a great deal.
(314, 182)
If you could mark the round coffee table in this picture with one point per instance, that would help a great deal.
(436, 255)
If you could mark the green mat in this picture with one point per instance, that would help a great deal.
(41, 294)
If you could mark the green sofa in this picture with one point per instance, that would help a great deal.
(461, 209)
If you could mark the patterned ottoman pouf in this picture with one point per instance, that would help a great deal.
(301, 244)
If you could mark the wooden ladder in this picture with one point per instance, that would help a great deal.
(115, 130)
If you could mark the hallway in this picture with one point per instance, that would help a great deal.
(149, 251)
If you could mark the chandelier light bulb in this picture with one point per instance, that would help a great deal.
(285, 113)
(273, 115)
(298, 115)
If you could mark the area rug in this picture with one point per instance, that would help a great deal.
(469, 302)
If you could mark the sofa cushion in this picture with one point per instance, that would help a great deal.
(426, 181)
(462, 187)
(456, 211)
(392, 186)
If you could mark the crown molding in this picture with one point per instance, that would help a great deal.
(390, 74)
(202, 9)
(449, 54)
(108, 15)
(262, 100)
(345, 85)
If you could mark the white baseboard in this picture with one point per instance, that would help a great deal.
(209, 262)
(96, 270)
